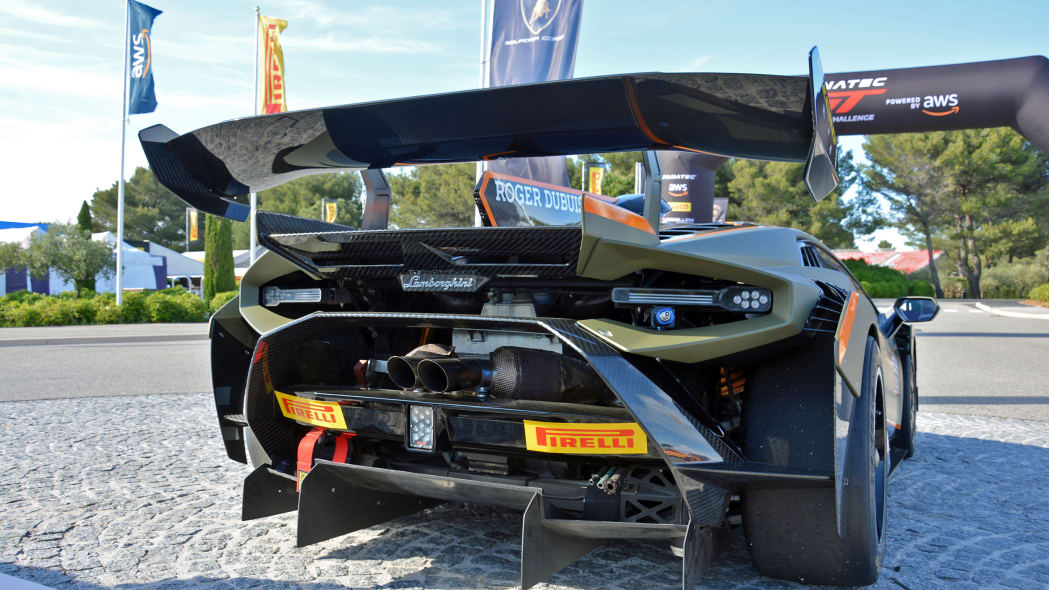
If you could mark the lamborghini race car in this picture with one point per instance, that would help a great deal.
(571, 357)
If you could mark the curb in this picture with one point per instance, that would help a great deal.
(13, 583)
(1012, 314)
(102, 339)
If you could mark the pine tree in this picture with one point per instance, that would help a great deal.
(83, 220)
(218, 257)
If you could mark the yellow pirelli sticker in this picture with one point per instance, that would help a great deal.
(326, 414)
(624, 438)
(681, 206)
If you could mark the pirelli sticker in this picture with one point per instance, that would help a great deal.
(317, 413)
(625, 438)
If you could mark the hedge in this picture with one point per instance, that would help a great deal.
(1040, 293)
(882, 281)
(169, 305)
(221, 299)
(1012, 281)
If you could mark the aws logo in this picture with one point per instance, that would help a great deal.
(940, 101)
(141, 55)
(538, 14)
(677, 189)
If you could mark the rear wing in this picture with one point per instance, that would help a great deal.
(734, 115)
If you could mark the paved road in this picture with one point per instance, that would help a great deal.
(973, 362)
(90, 370)
(106, 498)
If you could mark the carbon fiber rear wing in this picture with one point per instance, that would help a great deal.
(735, 115)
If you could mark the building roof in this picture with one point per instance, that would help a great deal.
(905, 262)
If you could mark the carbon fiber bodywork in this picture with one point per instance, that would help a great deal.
(341, 252)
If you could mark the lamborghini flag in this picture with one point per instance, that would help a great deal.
(271, 66)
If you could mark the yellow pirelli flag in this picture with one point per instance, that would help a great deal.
(272, 96)
(331, 210)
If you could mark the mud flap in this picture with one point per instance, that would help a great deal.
(266, 493)
(702, 544)
(332, 503)
(544, 551)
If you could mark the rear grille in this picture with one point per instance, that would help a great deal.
(676, 231)
(340, 252)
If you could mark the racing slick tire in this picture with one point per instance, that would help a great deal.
(909, 426)
(792, 533)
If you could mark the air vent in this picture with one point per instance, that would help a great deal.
(823, 319)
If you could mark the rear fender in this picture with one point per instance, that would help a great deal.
(850, 339)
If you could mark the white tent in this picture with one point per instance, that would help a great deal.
(139, 266)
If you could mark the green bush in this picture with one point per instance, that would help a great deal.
(184, 307)
(23, 296)
(170, 305)
(1012, 281)
(221, 299)
(106, 309)
(1040, 293)
(885, 282)
(134, 309)
(954, 287)
(922, 289)
(23, 314)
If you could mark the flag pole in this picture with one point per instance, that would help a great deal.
(120, 186)
(254, 199)
(483, 77)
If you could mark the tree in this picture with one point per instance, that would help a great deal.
(11, 256)
(885, 245)
(303, 196)
(903, 170)
(218, 257)
(83, 221)
(434, 196)
(993, 175)
(774, 193)
(151, 212)
(71, 253)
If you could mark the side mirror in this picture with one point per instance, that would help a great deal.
(916, 309)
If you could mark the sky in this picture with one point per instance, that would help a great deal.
(60, 63)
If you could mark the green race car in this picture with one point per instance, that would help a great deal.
(571, 358)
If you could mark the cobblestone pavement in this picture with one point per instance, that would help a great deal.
(136, 492)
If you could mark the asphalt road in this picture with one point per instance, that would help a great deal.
(93, 370)
(973, 362)
(969, 362)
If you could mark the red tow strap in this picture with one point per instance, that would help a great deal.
(307, 444)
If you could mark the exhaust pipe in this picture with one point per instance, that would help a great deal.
(515, 373)
(402, 369)
(455, 374)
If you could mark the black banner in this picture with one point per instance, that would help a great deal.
(688, 185)
(533, 41)
(1001, 93)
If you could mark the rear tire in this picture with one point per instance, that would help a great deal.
(792, 533)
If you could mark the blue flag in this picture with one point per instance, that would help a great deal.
(141, 98)
(533, 41)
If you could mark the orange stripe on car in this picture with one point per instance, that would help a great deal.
(846, 326)
(617, 214)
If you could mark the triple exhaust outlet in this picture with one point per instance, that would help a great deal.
(507, 373)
